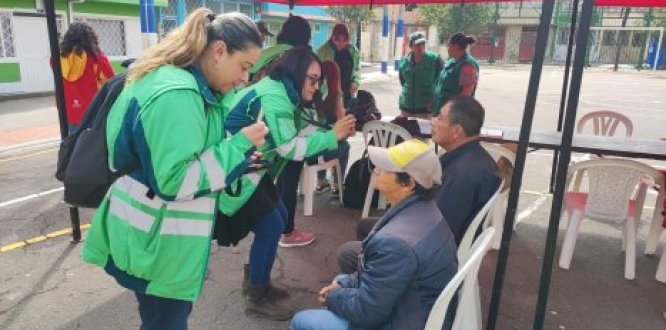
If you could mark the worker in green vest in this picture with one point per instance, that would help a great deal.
(153, 230)
(418, 73)
(460, 75)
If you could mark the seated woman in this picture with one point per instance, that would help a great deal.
(408, 257)
(279, 99)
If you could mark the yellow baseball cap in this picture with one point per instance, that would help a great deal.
(413, 157)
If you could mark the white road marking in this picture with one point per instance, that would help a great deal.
(530, 209)
(29, 197)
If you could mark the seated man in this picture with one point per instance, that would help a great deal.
(469, 174)
(407, 258)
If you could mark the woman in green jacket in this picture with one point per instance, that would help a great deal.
(281, 100)
(152, 231)
(460, 75)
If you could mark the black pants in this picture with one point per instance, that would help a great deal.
(287, 187)
(159, 313)
(348, 252)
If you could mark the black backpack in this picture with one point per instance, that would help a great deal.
(356, 185)
(83, 164)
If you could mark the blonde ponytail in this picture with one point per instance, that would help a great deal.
(181, 47)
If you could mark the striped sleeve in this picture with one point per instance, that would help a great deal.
(171, 138)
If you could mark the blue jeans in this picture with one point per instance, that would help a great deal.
(159, 313)
(342, 154)
(318, 319)
(267, 232)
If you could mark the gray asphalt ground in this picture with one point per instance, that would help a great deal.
(45, 285)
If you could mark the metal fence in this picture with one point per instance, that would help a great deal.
(110, 34)
(6, 36)
(168, 18)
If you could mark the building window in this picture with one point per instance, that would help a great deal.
(609, 38)
(6, 36)
(245, 8)
(110, 33)
(191, 5)
(317, 27)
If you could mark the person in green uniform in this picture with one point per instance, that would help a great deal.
(153, 230)
(294, 32)
(460, 75)
(338, 49)
(282, 100)
(418, 73)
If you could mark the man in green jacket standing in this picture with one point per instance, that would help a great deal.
(419, 71)
(338, 49)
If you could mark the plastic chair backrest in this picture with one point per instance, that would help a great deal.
(479, 219)
(467, 272)
(384, 134)
(497, 151)
(611, 183)
(605, 122)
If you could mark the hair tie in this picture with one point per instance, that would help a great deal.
(211, 17)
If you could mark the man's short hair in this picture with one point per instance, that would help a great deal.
(468, 113)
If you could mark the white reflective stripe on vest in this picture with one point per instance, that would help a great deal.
(300, 145)
(190, 184)
(176, 226)
(202, 205)
(309, 130)
(216, 175)
(138, 191)
(134, 217)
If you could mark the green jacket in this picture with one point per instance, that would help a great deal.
(418, 81)
(269, 55)
(290, 137)
(152, 231)
(448, 84)
(327, 53)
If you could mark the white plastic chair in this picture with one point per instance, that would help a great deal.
(472, 320)
(383, 135)
(605, 123)
(467, 277)
(309, 178)
(498, 211)
(611, 185)
(661, 268)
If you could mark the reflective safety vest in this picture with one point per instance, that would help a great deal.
(152, 232)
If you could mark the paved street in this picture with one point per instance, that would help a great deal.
(44, 285)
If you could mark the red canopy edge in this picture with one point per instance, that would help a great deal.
(614, 3)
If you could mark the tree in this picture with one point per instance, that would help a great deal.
(469, 18)
(353, 16)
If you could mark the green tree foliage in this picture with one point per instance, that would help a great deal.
(471, 19)
(351, 15)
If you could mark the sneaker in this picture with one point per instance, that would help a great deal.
(297, 237)
(323, 186)
(335, 191)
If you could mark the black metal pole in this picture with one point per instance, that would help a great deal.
(565, 87)
(563, 162)
(521, 155)
(49, 8)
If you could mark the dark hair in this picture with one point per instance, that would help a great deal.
(426, 194)
(331, 72)
(294, 65)
(468, 113)
(340, 29)
(237, 31)
(461, 40)
(295, 32)
(80, 37)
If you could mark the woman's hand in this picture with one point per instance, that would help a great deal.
(256, 133)
(344, 127)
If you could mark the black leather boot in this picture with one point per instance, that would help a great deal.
(275, 292)
(259, 305)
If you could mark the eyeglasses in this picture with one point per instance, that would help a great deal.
(315, 80)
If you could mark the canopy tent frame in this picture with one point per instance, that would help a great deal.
(571, 92)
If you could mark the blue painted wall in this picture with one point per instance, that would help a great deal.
(321, 30)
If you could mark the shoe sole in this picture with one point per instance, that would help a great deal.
(287, 245)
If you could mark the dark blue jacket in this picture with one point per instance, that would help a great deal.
(407, 260)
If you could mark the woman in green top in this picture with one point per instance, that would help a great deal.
(460, 74)
(153, 229)
(281, 100)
